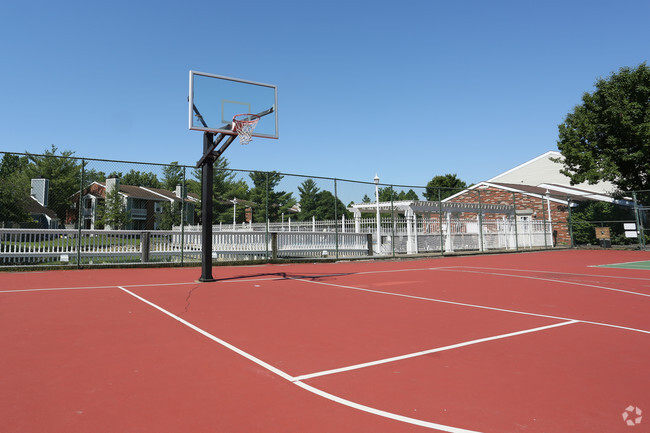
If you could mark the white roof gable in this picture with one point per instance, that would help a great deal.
(542, 170)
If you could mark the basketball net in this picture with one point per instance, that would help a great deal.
(244, 125)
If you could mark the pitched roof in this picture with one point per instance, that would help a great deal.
(542, 169)
(558, 193)
(171, 195)
(34, 207)
(146, 193)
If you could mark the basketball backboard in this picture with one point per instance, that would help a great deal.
(215, 99)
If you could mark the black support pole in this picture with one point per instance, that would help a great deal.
(207, 180)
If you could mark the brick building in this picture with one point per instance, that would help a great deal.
(539, 192)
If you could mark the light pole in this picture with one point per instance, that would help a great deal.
(234, 212)
(378, 221)
(548, 206)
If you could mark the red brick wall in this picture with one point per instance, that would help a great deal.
(538, 205)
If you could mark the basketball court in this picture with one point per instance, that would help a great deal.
(536, 342)
(555, 341)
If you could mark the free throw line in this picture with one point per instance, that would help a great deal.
(426, 352)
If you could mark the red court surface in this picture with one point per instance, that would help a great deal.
(530, 342)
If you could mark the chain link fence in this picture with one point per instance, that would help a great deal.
(62, 210)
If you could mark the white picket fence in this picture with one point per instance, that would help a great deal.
(423, 235)
(342, 239)
(31, 246)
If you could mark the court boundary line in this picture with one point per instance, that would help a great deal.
(620, 277)
(459, 268)
(380, 412)
(114, 286)
(543, 279)
(484, 307)
(429, 351)
(218, 340)
(620, 263)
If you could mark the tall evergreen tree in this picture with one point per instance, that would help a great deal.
(14, 189)
(267, 198)
(308, 199)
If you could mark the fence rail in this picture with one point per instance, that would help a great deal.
(65, 246)
(256, 242)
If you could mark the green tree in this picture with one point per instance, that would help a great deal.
(325, 207)
(141, 178)
(264, 185)
(14, 189)
(172, 175)
(170, 215)
(308, 198)
(409, 195)
(607, 137)
(92, 175)
(592, 214)
(448, 185)
(112, 211)
(226, 189)
(388, 194)
(64, 174)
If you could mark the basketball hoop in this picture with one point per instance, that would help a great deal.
(243, 125)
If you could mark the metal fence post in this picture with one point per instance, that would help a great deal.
(336, 219)
(266, 214)
(544, 221)
(639, 221)
(145, 246)
(274, 245)
(183, 210)
(480, 223)
(442, 243)
(80, 218)
(514, 206)
(392, 220)
(568, 199)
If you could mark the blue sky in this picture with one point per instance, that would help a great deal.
(408, 90)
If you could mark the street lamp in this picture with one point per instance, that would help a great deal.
(548, 206)
(376, 179)
(234, 212)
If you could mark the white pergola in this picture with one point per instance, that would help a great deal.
(412, 208)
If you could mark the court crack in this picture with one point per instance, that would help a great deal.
(188, 299)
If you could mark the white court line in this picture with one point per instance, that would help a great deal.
(426, 352)
(114, 286)
(233, 280)
(212, 337)
(483, 307)
(544, 279)
(383, 413)
(54, 289)
(293, 380)
(619, 277)
(619, 263)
